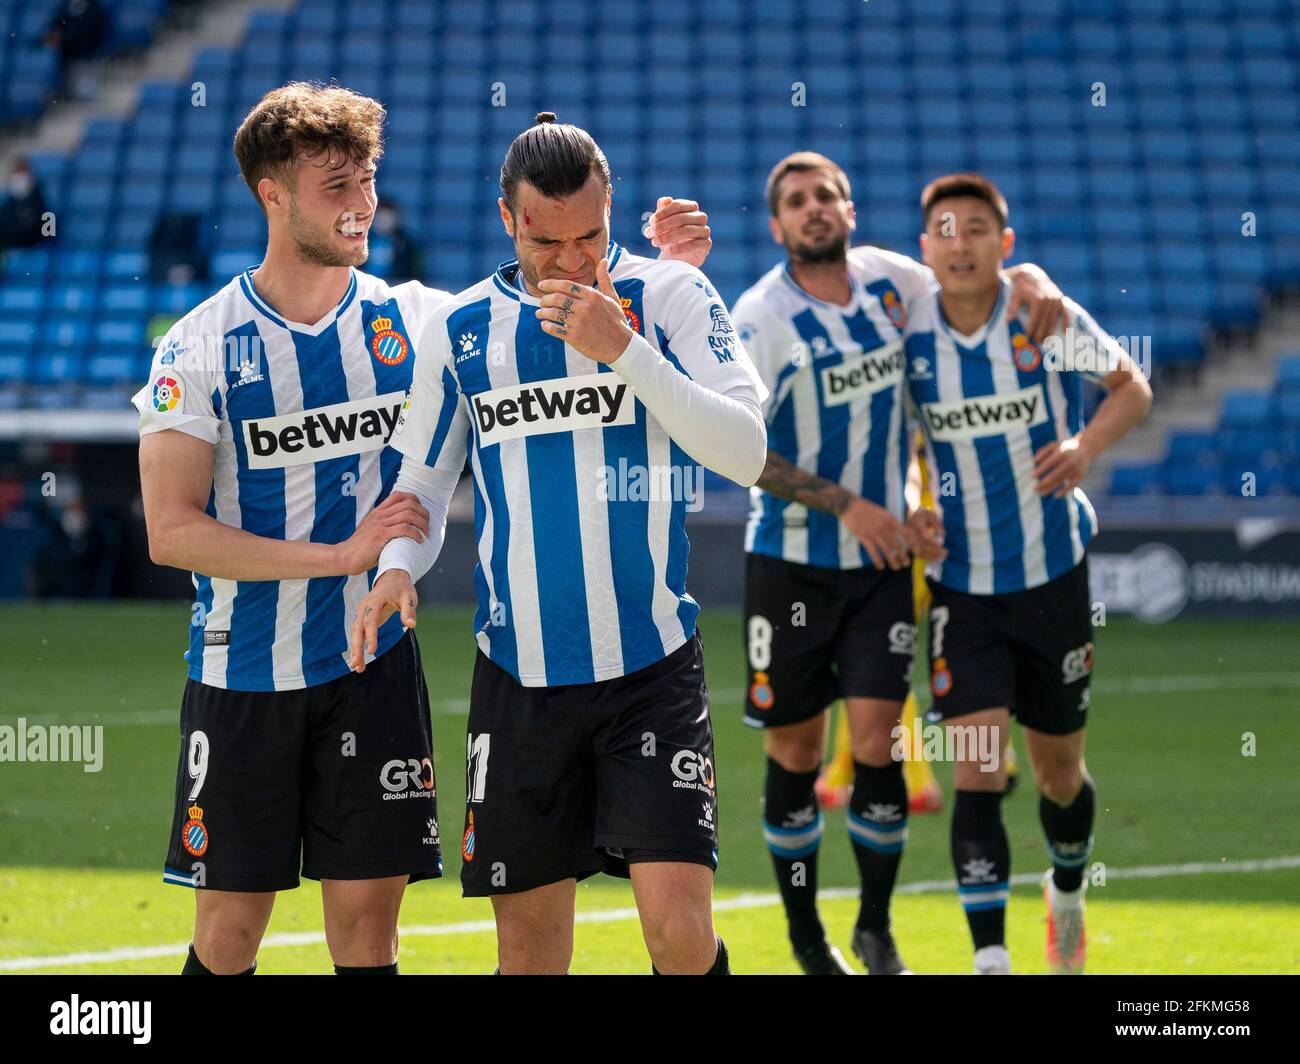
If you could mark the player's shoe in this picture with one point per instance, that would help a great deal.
(992, 960)
(877, 951)
(926, 799)
(822, 959)
(1066, 939)
(831, 795)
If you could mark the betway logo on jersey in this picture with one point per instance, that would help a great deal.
(594, 400)
(985, 415)
(874, 371)
(326, 432)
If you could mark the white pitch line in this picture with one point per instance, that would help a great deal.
(604, 916)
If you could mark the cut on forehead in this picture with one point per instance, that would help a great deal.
(563, 218)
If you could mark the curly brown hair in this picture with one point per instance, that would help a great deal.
(307, 121)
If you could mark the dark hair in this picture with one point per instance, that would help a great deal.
(553, 157)
(799, 162)
(307, 120)
(951, 186)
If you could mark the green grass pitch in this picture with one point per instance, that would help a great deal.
(1180, 804)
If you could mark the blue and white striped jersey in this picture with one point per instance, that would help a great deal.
(299, 416)
(987, 403)
(835, 375)
(580, 495)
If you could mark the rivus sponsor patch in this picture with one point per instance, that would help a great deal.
(327, 432)
(985, 415)
(871, 372)
(593, 400)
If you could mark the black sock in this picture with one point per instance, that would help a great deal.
(194, 966)
(982, 860)
(792, 825)
(877, 822)
(1069, 835)
(379, 969)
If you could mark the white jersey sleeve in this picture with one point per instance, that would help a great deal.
(434, 426)
(182, 392)
(1086, 348)
(700, 334)
(771, 345)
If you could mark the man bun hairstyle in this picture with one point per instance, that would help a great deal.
(554, 157)
(953, 186)
(326, 125)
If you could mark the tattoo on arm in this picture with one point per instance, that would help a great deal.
(785, 480)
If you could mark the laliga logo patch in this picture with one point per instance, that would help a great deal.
(388, 345)
(634, 323)
(467, 843)
(761, 694)
(166, 394)
(1025, 354)
(941, 678)
(194, 834)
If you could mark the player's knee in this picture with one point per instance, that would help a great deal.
(1059, 781)
(674, 936)
(794, 753)
(875, 748)
(226, 945)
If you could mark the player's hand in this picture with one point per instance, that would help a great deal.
(886, 540)
(1032, 288)
(927, 533)
(590, 320)
(393, 591)
(398, 515)
(680, 230)
(1060, 466)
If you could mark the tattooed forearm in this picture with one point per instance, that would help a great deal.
(785, 480)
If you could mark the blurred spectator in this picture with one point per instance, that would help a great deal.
(22, 211)
(395, 257)
(176, 254)
(77, 30)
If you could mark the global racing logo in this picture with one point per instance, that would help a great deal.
(693, 770)
(166, 394)
(407, 778)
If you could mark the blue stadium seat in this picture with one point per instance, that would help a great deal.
(1145, 478)
(1246, 410)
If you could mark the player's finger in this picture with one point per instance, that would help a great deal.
(409, 601)
(665, 226)
(370, 622)
(669, 208)
(555, 329)
(1014, 304)
(355, 658)
(603, 281)
(568, 288)
(694, 234)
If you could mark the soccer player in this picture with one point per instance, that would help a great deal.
(264, 470)
(828, 588)
(1010, 623)
(585, 383)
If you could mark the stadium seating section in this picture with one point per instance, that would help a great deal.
(29, 70)
(1138, 141)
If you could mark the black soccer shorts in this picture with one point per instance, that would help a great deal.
(813, 635)
(567, 781)
(1028, 650)
(335, 779)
